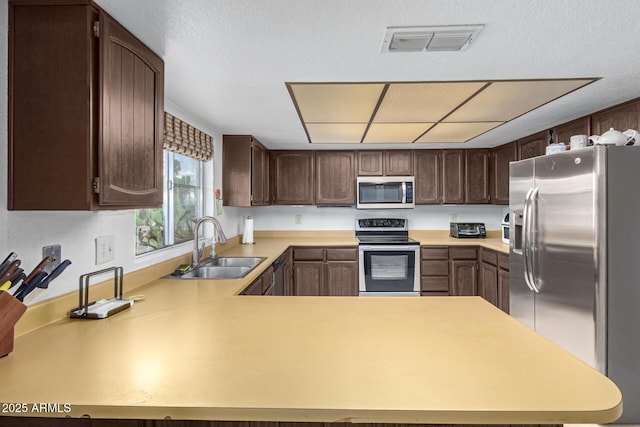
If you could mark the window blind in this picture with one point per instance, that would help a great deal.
(181, 137)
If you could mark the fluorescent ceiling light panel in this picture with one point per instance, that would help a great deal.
(337, 103)
(395, 132)
(506, 100)
(423, 102)
(457, 132)
(336, 133)
(395, 112)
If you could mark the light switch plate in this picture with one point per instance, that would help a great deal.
(54, 251)
(104, 249)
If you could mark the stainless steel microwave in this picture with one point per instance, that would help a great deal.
(385, 192)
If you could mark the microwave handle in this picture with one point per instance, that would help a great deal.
(404, 192)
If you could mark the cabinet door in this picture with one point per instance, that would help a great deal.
(621, 117)
(488, 288)
(500, 158)
(267, 281)
(294, 177)
(533, 146)
(453, 176)
(428, 177)
(308, 278)
(564, 132)
(369, 163)
(131, 131)
(503, 290)
(255, 288)
(259, 171)
(476, 188)
(398, 163)
(464, 277)
(342, 278)
(51, 110)
(288, 272)
(335, 177)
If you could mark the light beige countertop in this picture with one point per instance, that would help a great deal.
(194, 349)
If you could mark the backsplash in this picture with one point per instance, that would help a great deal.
(427, 217)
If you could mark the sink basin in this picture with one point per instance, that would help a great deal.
(217, 272)
(222, 268)
(235, 261)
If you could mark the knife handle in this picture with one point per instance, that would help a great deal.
(46, 260)
(27, 288)
(8, 272)
(44, 283)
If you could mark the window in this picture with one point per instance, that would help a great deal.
(174, 222)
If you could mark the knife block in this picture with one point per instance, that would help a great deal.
(10, 312)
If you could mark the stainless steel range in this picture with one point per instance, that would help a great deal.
(389, 259)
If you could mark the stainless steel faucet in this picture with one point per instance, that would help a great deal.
(218, 236)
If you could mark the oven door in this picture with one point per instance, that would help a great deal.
(389, 270)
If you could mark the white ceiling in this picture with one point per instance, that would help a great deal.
(227, 61)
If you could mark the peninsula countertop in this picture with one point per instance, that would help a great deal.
(195, 349)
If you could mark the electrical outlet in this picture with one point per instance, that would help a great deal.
(298, 219)
(104, 249)
(55, 252)
(454, 218)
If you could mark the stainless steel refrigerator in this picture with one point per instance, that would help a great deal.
(574, 255)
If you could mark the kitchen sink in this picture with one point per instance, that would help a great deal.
(216, 272)
(221, 268)
(235, 261)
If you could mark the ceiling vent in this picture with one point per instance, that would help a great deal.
(448, 38)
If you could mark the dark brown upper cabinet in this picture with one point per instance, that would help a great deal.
(500, 158)
(563, 133)
(398, 163)
(370, 163)
(335, 178)
(453, 176)
(533, 145)
(245, 171)
(427, 165)
(621, 117)
(476, 187)
(86, 107)
(385, 162)
(293, 174)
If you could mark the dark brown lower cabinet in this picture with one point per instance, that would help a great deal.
(494, 278)
(330, 271)
(342, 278)
(93, 422)
(434, 271)
(288, 272)
(464, 277)
(263, 285)
(503, 290)
(488, 288)
(464, 270)
(308, 278)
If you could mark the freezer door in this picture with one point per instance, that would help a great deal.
(564, 251)
(521, 298)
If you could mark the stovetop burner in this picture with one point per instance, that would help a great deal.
(383, 231)
(386, 240)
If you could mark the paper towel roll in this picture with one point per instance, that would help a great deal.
(247, 236)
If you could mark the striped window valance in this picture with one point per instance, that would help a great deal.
(183, 138)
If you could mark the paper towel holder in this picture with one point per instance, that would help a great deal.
(247, 235)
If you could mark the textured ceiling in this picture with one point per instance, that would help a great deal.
(227, 61)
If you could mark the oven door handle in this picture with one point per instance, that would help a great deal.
(395, 248)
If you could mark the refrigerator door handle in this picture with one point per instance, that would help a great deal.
(526, 236)
(533, 262)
